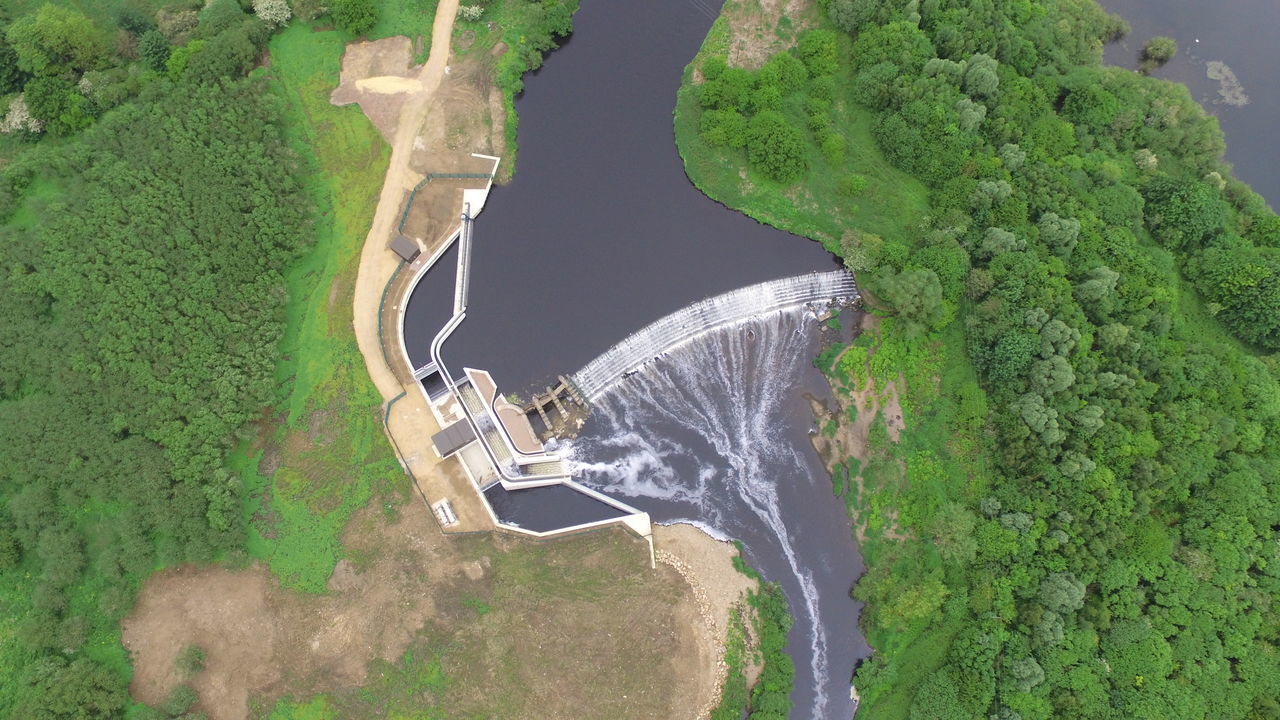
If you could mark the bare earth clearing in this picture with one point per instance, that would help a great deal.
(579, 627)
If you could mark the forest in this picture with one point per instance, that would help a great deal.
(1082, 304)
(150, 204)
(158, 194)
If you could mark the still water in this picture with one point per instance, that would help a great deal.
(601, 233)
(1240, 34)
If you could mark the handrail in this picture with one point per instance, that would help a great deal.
(436, 343)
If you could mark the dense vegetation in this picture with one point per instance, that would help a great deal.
(154, 203)
(1081, 518)
(143, 307)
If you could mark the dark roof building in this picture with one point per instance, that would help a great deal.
(405, 247)
(453, 438)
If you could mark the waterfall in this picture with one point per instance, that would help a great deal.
(705, 316)
(712, 432)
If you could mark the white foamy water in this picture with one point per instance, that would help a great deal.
(692, 322)
(702, 430)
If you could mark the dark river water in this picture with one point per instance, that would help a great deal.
(1240, 33)
(600, 234)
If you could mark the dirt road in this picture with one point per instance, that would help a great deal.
(376, 261)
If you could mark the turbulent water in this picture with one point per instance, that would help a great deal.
(714, 432)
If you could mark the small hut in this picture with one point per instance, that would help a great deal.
(405, 247)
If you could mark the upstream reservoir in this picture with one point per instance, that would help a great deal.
(600, 234)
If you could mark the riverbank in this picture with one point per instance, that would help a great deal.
(1083, 257)
(895, 409)
(458, 113)
(358, 602)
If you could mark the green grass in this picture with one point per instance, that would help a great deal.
(102, 12)
(411, 18)
(325, 445)
(893, 204)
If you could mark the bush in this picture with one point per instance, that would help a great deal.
(833, 147)
(775, 147)
(1159, 50)
(190, 661)
(817, 49)
(153, 49)
(180, 700)
(355, 16)
(852, 185)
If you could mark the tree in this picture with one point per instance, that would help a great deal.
(724, 128)
(275, 13)
(875, 86)
(1062, 593)
(228, 54)
(55, 40)
(56, 689)
(355, 16)
(980, 77)
(936, 698)
(11, 76)
(153, 49)
(218, 16)
(817, 48)
(775, 147)
(134, 21)
(851, 15)
(784, 71)
(1183, 213)
(1059, 234)
(58, 104)
(916, 296)
(1245, 286)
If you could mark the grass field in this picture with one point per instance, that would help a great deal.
(602, 638)
(892, 205)
(323, 454)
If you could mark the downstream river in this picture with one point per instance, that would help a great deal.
(1233, 40)
(599, 234)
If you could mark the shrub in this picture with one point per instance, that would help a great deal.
(775, 147)
(1159, 50)
(355, 16)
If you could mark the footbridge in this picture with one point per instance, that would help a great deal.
(705, 316)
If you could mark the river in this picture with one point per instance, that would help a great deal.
(599, 234)
(1239, 34)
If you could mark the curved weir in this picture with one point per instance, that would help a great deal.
(707, 315)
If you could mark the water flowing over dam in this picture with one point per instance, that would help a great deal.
(714, 431)
(707, 315)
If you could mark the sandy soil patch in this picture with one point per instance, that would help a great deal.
(372, 75)
(760, 28)
(387, 84)
(706, 564)
(575, 628)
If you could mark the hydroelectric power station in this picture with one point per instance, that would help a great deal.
(507, 448)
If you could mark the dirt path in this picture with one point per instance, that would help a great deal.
(376, 262)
